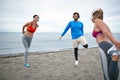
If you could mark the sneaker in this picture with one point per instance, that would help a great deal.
(26, 65)
(76, 62)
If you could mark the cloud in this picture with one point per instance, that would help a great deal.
(54, 14)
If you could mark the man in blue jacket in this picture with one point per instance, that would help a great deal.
(77, 34)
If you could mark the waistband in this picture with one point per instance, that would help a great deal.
(78, 37)
(27, 36)
(106, 46)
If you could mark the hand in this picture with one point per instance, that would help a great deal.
(60, 38)
(23, 32)
(117, 45)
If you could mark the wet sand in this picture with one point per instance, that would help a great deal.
(57, 65)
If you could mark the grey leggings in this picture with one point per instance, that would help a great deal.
(26, 42)
(110, 68)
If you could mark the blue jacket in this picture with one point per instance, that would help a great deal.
(76, 29)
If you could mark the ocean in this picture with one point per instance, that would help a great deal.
(11, 42)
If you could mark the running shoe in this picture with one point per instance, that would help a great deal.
(26, 65)
(76, 62)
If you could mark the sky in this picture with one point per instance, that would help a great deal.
(55, 14)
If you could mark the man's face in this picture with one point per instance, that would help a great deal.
(75, 17)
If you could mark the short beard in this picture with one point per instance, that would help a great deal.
(76, 19)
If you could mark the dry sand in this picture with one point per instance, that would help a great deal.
(53, 66)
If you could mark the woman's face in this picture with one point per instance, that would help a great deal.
(36, 18)
(93, 18)
(75, 17)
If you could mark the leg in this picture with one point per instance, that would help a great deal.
(85, 46)
(75, 45)
(113, 67)
(25, 43)
(83, 41)
(105, 48)
(76, 53)
(104, 62)
(113, 70)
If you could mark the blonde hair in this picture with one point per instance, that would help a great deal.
(98, 13)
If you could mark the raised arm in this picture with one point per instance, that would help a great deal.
(65, 30)
(24, 27)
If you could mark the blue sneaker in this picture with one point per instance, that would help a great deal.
(26, 65)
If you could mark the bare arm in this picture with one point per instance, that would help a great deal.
(106, 31)
(37, 25)
(103, 27)
(65, 30)
(24, 27)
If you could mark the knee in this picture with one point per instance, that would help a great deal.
(85, 46)
(76, 49)
(26, 49)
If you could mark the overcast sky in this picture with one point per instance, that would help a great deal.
(55, 14)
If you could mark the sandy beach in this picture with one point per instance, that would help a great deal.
(57, 65)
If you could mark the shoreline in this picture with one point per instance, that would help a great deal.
(37, 52)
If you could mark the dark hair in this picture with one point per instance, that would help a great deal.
(35, 16)
(77, 14)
